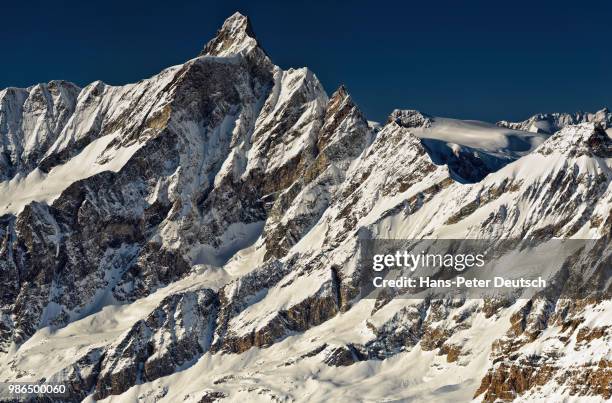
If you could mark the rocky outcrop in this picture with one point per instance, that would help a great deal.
(173, 336)
(31, 120)
(342, 356)
(261, 325)
(409, 118)
(517, 371)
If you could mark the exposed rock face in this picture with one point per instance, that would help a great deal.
(342, 138)
(31, 120)
(80, 377)
(584, 139)
(235, 36)
(342, 356)
(218, 208)
(409, 118)
(176, 333)
(516, 371)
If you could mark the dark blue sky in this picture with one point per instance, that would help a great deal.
(485, 60)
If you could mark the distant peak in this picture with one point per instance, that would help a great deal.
(340, 95)
(552, 122)
(239, 23)
(235, 35)
(409, 118)
(577, 140)
(341, 92)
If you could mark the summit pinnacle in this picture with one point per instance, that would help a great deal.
(235, 36)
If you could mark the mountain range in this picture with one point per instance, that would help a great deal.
(195, 237)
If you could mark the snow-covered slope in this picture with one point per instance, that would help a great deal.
(195, 237)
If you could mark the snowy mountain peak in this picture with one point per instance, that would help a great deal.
(343, 116)
(583, 139)
(409, 118)
(550, 123)
(235, 36)
(341, 92)
(340, 97)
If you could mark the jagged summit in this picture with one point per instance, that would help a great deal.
(340, 97)
(582, 139)
(235, 35)
(550, 123)
(341, 92)
(343, 116)
(409, 118)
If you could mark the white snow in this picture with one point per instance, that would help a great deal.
(38, 186)
(49, 351)
(479, 135)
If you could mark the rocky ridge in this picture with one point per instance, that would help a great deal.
(550, 123)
